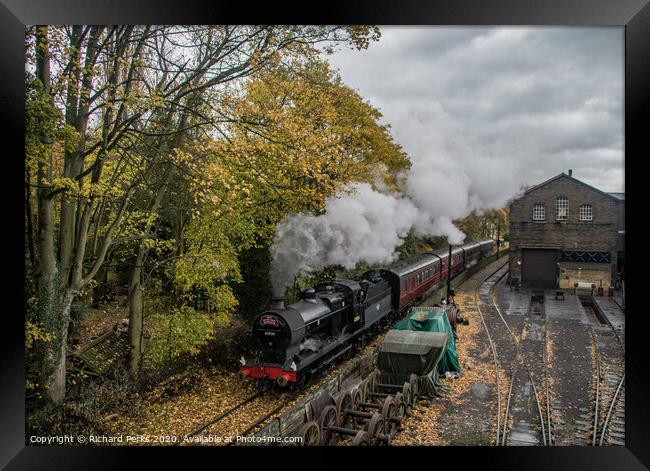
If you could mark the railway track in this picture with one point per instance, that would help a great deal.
(490, 281)
(522, 366)
(518, 349)
(251, 405)
(609, 402)
(262, 407)
(604, 422)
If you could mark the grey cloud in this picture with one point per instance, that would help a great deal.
(526, 102)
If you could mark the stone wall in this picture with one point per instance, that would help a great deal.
(571, 273)
(599, 235)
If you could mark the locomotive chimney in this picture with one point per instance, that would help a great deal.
(277, 302)
(309, 295)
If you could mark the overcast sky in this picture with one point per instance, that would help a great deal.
(501, 106)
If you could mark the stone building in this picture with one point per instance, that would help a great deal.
(564, 231)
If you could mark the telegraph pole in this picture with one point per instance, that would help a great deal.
(498, 232)
(449, 276)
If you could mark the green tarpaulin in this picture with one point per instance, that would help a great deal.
(434, 319)
(406, 352)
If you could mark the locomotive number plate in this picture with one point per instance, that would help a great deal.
(270, 320)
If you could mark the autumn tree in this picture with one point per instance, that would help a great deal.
(296, 136)
(107, 107)
(484, 224)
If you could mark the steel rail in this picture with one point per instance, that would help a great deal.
(220, 417)
(477, 300)
(598, 372)
(514, 370)
(547, 388)
(614, 399)
(258, 422)
(611, 408)
(507, 411)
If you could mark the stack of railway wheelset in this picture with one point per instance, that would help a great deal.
(371, 413)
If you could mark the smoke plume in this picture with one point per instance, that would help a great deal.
(451, 175)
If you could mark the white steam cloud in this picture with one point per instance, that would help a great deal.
(451, 175)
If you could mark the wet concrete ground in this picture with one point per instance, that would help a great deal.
(571, 369)
(612, 309)
(557, 344)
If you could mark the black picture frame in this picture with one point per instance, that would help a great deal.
(634, 15)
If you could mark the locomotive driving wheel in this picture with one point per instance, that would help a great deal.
(329, 417)
(310, 434)
(303, 381)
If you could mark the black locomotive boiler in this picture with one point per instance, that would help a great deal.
(335, 317)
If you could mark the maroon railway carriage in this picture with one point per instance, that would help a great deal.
(429, 273)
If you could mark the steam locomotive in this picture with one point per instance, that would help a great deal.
(335, 317)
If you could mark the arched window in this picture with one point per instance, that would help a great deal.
(562, 208)
(586, 213)
(539, 212)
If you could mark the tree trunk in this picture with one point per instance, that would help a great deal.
(51, 354)
(136, 312)
(56, 379)
(29, 219)
(100, 291)
(136, 290)
(66, 226)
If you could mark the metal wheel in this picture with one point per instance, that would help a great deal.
(309, 412)
(329, 417)
(303, 382)
(388, 411)
(388, 407)
(310, 433)
(373, 381)
(413, 380)
(361, 439)
(375, 427)
(364, 389)
(356, 398)
(407, 397)
(400, 406)
(343, 402)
